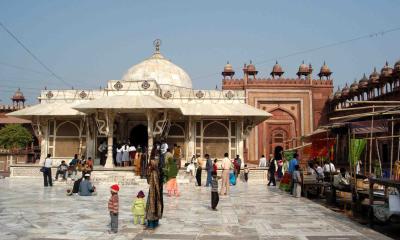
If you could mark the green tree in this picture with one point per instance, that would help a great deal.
(14, 136)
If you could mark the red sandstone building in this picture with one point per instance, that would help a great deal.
(298, 105)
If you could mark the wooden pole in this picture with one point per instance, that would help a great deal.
(349, 150)
(367, 107)
(365, 159)
(379, 156)
(370, 142)
(391, 150)
(368, 101)
(398, 148)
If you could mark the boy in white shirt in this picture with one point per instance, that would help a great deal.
(48, 162)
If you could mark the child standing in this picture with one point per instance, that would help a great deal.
(246, 173)
(214, 192)
(138, 207)
(215, 167)
(113, 208)
(297, 182)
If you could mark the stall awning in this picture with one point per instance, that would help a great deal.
(316, 132)
(126, 102)
(224, 109)
(47, 109)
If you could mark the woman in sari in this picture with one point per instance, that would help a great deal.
(154, 200)
(232, 176)
(171, 171)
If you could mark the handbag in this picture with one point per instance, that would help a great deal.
(42, 169)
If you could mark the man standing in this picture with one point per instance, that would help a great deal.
(103, 152)
(271, 172)
(293, 163)
(263, 162)
(48, 162)
(209, 169)
(292, 167)
(226, 164)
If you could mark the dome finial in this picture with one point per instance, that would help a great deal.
(157, 44)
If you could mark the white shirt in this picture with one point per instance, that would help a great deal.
(48, 162)
(119, 150)
(164, 148)
(226, 164)
(320, 171)
(132, 149)
(263, 162)
(329, 167)
(125, 148)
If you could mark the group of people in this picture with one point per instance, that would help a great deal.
(230, 172)
(195, 168)
(83, 165)
(280, 167)
(161, 169)
(124, 154)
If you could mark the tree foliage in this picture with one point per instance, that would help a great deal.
(14, 136)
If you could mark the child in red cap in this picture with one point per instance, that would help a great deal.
(113, 207)
(138, 208)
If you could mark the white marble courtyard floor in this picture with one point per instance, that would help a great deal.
(252, 211)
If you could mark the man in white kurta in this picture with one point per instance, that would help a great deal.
(226, 165)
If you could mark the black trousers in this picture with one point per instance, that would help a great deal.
(47, 177)
(103, 158)
(246, 176)
(272, 179)
(198, 176)
(214, 200)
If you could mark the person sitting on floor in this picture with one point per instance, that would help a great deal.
(75, 188)
(342, 180)
(62, 169)
(85, 187)
(89, 163)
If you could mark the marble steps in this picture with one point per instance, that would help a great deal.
(124, 176)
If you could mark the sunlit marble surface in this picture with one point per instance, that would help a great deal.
(252, 211)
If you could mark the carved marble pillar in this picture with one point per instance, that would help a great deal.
(110, 117)
(150, 121)
(240, 143)
(44, 139)
(191, 138)
(90, 138)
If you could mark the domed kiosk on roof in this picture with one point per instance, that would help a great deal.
(277, 70)
(160, 69)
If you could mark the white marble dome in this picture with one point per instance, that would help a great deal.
(160, 69)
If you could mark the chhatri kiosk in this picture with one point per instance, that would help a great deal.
(153, 100)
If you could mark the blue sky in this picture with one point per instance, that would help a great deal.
(92, 41)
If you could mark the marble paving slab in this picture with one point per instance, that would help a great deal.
(251, 211)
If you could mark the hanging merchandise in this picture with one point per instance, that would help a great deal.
(288, 155)
(321, 149)
(357, 146)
